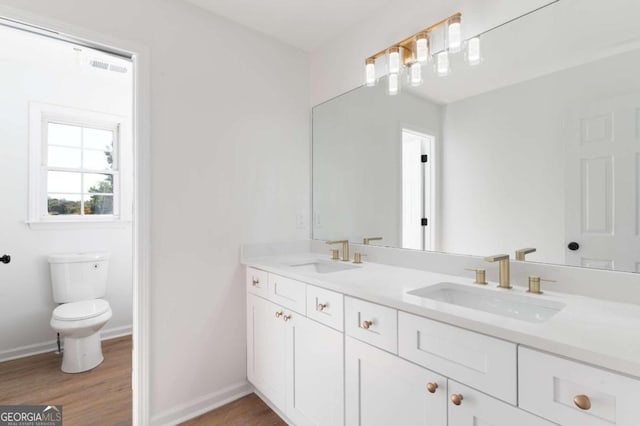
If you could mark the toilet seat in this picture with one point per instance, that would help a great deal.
(85, 309)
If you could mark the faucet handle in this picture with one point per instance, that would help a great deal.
(335, 254)
(357, 257)
(481, 275)
(534, 284)
(367, 240)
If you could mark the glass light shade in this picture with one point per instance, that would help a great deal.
(454, 35)
(394, 84)
(442, 63)
(415, 74)
(370, 73)
(473, 51)
(422, 47)
(393, 60)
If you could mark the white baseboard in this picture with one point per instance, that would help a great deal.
(52, 345)
(199, 406)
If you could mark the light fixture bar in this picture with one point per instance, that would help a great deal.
(407, 43)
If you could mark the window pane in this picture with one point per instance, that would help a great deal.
(63, 204)
(98, 139)
(64, 182)
(64, 157)
(97, 160)
(95, 183)
(98, 204)
(63, 134)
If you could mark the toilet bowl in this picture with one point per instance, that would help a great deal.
(79, 324)
(79, 285)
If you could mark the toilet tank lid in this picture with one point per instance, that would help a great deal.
(94, 256)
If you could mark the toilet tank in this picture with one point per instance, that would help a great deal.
(78, 276)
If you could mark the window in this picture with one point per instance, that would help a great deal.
(81, 169)
(76, 165)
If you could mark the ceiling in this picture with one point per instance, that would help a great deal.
(304, 24)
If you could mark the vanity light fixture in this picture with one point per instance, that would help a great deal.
(413, 52)
(454, 34)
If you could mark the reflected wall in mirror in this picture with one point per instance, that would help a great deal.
(539, 147)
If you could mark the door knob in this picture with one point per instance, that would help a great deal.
(367, 324)
(573, 246)
(278, 314)
(431, 387)
(5, 259)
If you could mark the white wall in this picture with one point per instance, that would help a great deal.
(230, 126)
(503, 160)
(36, 69)
(358, 164)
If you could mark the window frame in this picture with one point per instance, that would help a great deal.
(39, 118)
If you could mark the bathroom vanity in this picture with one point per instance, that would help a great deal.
(331, 343)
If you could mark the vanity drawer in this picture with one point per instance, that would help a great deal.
(480, 361)
(257, 281)
(371, 323)
(548, 386)
(326, 307)
(288, 293)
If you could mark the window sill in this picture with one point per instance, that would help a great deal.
(78, 224)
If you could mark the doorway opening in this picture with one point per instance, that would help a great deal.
(70, 173)
(418, 190)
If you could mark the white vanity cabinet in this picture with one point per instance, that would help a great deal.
(295, 362)
(382, 389)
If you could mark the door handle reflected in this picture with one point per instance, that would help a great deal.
(5, 259)
(573, 246)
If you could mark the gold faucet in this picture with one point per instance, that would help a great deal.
(367, 240)
(521, 253)
(504, 268)
(345, 248)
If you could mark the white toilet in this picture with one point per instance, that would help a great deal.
(79, 280)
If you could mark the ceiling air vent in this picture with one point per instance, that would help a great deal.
(96, 63)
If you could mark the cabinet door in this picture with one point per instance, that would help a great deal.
(382, 389)
(265, 348)
(314, 363)
(476, 408)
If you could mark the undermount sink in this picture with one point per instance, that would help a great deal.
(324, 267)
(521, 307)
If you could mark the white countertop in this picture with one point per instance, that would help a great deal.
(597, 332)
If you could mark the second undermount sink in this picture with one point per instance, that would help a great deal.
(525, 308)
(324, 267)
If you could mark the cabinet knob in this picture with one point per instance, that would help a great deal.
(367, 324)
(431, 387)
(321, 306)
(278, 314)
(255, 281)
(456, 398)
(286, 317)
(582, 402)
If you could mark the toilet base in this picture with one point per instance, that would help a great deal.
(81, 354)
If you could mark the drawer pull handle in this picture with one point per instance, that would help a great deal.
(456, 398)
(431, 387)
(321, 306)
(255, 281)
(278, 314)
(582, 402)
(367, 324)
(286, 318)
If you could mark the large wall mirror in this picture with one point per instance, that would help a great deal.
(537, 147)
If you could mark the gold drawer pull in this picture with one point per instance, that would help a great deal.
(321, 306)
(456, 398)
(582, 402)
(286, 317)
(431, 387)
(367, 324)
(255, 281)
(278, 314)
